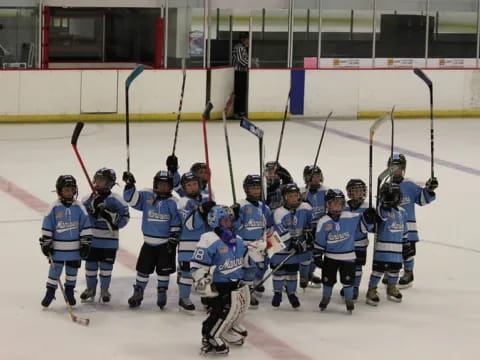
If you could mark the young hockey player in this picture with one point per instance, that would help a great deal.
(391, 244)
(66, 238)
(314, 194)
(193, 209)
(293, 222)
(412, 195)
(335, 239)
(252, 219)
(357, 192)
(108, 213)
(218, 267)
(160, 227)
(276, 176)
(199, 169)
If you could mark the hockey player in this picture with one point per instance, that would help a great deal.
(293, 222)
(108, 213)
(66, 238)
(412, 195)
(193, 209)
(335, 239)
(218, 265)
(160, 227)
(252, 219)
(314, 194)
(357, 192)
(276, 176)
(199, 169)
(391, 244)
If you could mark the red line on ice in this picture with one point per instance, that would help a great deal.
(261, 339)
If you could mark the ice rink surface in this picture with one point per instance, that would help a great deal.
(439, 317)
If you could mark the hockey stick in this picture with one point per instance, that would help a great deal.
(180, 104)
(373, 129)
(227, 107)
(290, 254)
(75, 135)
(429, 83)
(133, 75)
(205, 117)
(321, 139)
(78, 320)
(283, 127)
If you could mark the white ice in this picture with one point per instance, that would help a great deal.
(439, 317)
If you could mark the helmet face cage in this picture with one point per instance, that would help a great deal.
(162, 177)
(104, 180)
(251, 181)
(357, 190)
(189, 177)
(64, 181)
(331, 198)
(289, 189)
(310, 171)
(397, 165)
(390, 195)
(216, 214)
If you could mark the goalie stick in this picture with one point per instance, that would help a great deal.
(227, 107)
(133, 75)
(75, 318)
(429, 83)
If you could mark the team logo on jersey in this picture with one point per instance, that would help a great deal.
(391, 215)
(63, 226)
(231, 265)
(405, 200)
(334, 238)
(223, 249)
(59, 215)
(155, 216)
(328, 227)
(248, 210)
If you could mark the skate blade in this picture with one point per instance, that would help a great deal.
(185, 311)
(314, 286)
(371, 302)
(88, 300)
(405, 286)
(394, 299)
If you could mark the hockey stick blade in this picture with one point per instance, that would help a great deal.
(81, 321)
(76, 132)
(422, 76)
(252, 128)
(229, 103)
(207, 111)
(377, 124)
(133, 75)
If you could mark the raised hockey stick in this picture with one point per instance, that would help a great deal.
(205, 117)
(285, 113)
(373, 129)
(290, 254)
(227, 107)
(180, 104)
(321, 139)
(133, 75)
(75, 135)
(429, 83)
(75, 318)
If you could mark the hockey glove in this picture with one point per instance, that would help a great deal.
(309, 237)
(94, 205)
(46, 246)
(432, 184)
(204, 208)
(235, 208)
(370, 215)
(129, 179)
(408, 250)
(202, 281)
(85, 243)
(172, 164)
(172, 242)
(111, 217)
(298, 244)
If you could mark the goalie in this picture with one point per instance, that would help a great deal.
(218, 266)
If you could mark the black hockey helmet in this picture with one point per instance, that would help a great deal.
(163, 176)
(252, 181)
(330, 196)
(288, 189)
(356, 184)
(390, 195)
(66, 181)
(108, 176)
(196, 167)
(309, 171)
(398, 166)
(186, 178)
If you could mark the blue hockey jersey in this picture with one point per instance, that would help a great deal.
(65, 225)
(413, 194)
(231, 259)
(317, 202)
(103, 237)
(361, 235)
(391, 234)
(160, 218)
(252, 220)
